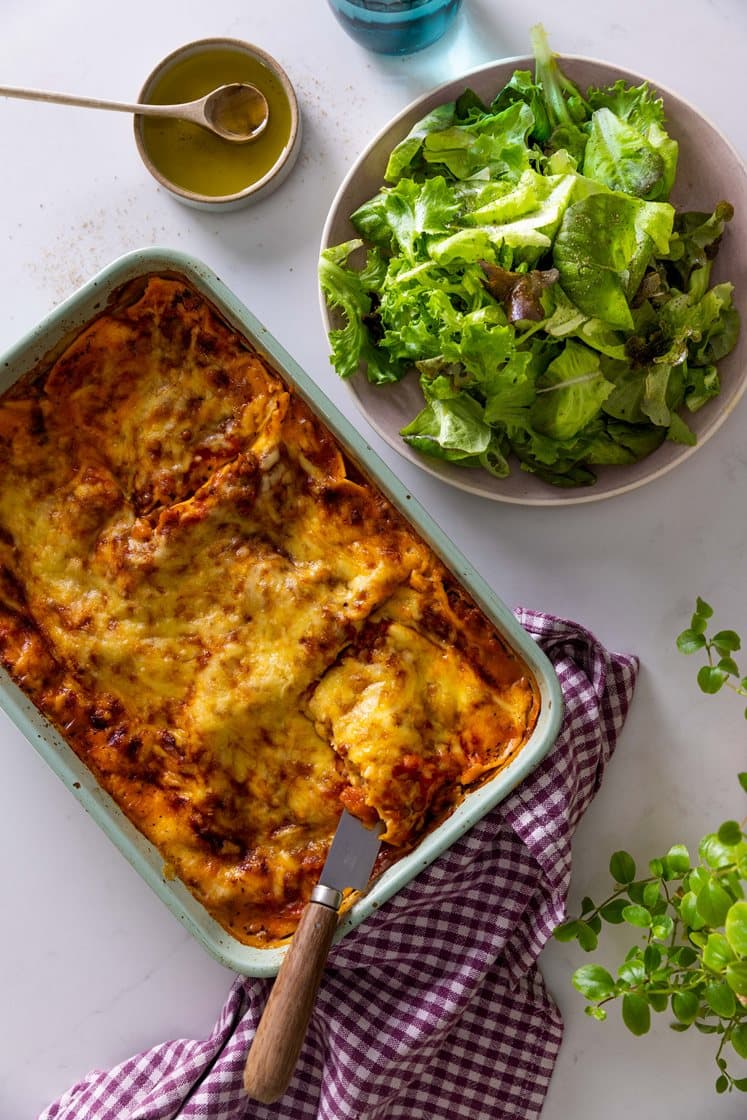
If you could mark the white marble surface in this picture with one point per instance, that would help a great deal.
(93, 967)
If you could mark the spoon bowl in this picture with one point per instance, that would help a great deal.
(237, 112)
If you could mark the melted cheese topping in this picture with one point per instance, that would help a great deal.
(236, 633)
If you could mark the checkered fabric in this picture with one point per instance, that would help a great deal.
(434, 1008)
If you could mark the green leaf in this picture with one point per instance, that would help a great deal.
(730, 834)
(602, 249)
(685, 1006)
(651, 958)
(632, 973)
(587, 937)
(636, 1013)
(684, 956)
(612, 912)
(690, 641)
(676, 862)
(594, 982)
(710, 679)
(658, 1001)
(619, 156)
(732, 880)
(399, 216)
(698, 877)
(715, 853)
(637, 916)
(720, 998)
(494, 141)
(587, 905)
(651, 895)
(703, 609)
(738, 1039)
(344, 289)
(662, 927)
(717, 952)
(570, 393)
(743, 780)
(563, 103)
(689, 911)
(635, 890)
(622, 867)
(727, 641)
(713, 903)
(449, 429)
(567, 931)
(728, 665)
(735, 927)
(408, 150)
(740, 1083)
(640, 109)
(736, 977)
(722, 1084)
(698, 625)
(678, 431)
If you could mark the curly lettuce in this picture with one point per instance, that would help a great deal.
(524, 259)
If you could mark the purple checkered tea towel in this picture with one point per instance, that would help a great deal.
(435, 1007)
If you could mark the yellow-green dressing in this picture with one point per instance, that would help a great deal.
(192, 158)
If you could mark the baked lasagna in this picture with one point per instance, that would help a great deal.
(226, 620)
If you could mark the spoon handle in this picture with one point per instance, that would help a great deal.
(95, 103)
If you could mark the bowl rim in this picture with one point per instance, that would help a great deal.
(447, 472)
(291, 144)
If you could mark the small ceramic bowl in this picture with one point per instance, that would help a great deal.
(197, 167)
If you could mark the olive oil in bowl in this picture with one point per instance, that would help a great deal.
(200, 168)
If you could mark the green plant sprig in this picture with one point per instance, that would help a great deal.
(691, 914)
(721, 669)
(693, 957)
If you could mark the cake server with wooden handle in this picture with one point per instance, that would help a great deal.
(282, 1028)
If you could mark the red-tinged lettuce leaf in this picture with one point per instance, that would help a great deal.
(519, 292)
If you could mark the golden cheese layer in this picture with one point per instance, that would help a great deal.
(234, 630)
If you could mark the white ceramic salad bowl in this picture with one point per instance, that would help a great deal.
(709, 170)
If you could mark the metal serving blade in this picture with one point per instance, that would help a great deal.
(350, 859)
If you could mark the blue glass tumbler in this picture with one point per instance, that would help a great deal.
(395, 26)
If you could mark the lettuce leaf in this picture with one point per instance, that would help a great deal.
(397, 218)
(602, 249)
(570, 393)
(628, 148)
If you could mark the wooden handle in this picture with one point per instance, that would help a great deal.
(94, 102)
(282, 1028)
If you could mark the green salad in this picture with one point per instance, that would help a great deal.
(524, 259)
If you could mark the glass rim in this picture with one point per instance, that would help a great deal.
(390, 5)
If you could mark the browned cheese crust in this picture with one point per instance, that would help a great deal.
(233, 629)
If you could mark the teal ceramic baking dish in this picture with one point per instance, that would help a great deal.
(41, 344)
